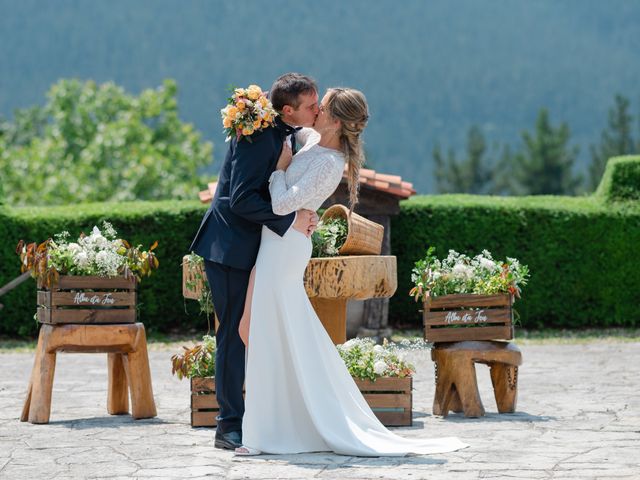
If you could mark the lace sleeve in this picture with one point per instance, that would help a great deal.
(304, 135)
(315, 185)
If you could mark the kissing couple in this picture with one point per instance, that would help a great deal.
(255, 239)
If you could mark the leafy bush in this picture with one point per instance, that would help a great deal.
(98, 143)
(621, 179)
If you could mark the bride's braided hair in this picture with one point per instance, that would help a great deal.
(350, 107)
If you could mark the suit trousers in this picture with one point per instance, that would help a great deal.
(228, 290)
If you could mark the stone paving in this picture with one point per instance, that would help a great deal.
(578, 418)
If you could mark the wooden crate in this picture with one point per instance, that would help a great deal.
(193, 279)
(88, 300)
(204, 406)
(454, 318)
(389, 398)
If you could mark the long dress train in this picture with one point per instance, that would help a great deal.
(299, 394)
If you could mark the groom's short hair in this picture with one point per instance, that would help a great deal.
(287, 89)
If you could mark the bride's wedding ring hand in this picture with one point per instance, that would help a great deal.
(306, 222)
(285, 157)
(313, 225)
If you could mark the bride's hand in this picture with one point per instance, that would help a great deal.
(285, 157)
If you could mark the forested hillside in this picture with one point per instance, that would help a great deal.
(430, 69)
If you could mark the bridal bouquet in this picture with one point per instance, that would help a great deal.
(458, 273)
(248, 111)
(100, 253)
(367, 360)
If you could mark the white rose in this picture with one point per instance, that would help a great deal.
(487, 264)
(81, 259)
(462, 271)
(347, 345)
(378, 349)
(379, 367)
(102, 258)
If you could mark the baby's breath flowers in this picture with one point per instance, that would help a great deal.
(366, 360)
(100, 253)
(458, 273)
(248, 111)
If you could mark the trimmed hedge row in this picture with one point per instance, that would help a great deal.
(583, 254)
(173, 224)
(621, 179)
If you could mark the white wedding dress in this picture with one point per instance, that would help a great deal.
(299, 394)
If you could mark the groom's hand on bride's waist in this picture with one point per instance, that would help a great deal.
(306, 221)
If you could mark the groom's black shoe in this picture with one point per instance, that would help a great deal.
(229, 440)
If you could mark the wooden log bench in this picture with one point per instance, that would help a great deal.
(456, 383)
(128, 366)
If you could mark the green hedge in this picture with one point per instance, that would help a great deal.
(173, 224)
(584, 254)
(621, 179)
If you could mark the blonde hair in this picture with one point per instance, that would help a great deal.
(350, 107)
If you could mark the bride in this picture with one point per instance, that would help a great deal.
(299, 394)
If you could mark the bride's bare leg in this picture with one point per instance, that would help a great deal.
(245, 321)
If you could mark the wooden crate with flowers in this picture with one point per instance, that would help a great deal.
(467, 298)
(383, 376)
(380, 371)
(198, 364)
(90, 281)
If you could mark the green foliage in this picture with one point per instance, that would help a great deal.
(616, 140)
(582, 253)
(621, 179)
(545, 164)
(98, 143)
(329, 237)
(196, 361)
(470, 175)
(172, 224)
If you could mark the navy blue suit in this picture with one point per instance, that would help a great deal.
(228, 239)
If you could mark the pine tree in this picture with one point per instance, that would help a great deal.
(544, 166)
(616, 139)
(469, 175)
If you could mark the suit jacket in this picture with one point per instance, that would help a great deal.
(231, 228)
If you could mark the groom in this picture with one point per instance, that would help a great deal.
(229, 236)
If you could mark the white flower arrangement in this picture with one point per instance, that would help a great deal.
(366, 360)
(460, 274)
(100, 253)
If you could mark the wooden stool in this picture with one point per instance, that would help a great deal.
(128, 365)
(456, 384)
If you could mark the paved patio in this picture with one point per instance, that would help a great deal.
(578, 417)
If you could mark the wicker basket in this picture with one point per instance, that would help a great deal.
(364, 237)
